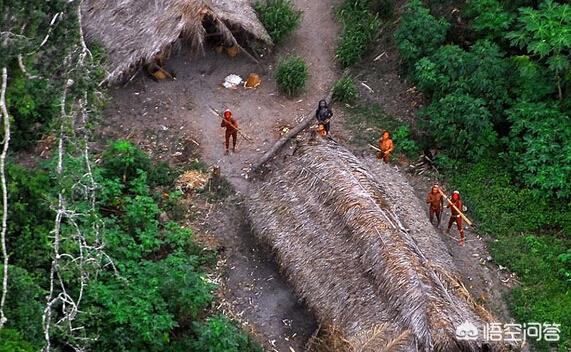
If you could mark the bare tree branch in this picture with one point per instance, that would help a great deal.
(6, 119)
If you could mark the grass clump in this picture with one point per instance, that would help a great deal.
(360, 28)
(279, 17)
(345, 91)
(291, 75)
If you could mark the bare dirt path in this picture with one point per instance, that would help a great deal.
(172, 121)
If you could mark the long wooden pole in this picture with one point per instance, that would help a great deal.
(455, 207)
(231, 125)
(308, 119)
(375, 148)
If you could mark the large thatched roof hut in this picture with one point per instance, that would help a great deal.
(134, 31)
(340, 236)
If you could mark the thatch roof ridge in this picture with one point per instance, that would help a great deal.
(133, 31)
(391, 258)
(356, 307)
(336, 201)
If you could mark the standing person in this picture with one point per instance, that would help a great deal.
(323, 116)
(231, 126)
(455, 215)
(386, 146)
(436, 203)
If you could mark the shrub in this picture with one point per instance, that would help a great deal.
(489, 18)
(24, 311)
(482, 72)
(31, 104)
(31, 220)
(279, 17)
(360, 28)
(291, 75)
(123, 160)
(529, 81)
(12, 341)
(404, 142)
(545, 34)
(462, 125)
(419, 33)
(539, 147)
(345, 91)
(219, 334)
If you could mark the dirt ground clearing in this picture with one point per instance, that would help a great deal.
(172, 121)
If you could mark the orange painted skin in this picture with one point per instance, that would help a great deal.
(435, 201)
(231, 126)
(386, 146)
(455, 216)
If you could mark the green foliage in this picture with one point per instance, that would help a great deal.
(501, 207)
(482, 72)
(218, 334)
(367, 123)
(480, 92)
(156, 284)
(24, 311)
(279, 17)
(345, 90)
(384, 8)
(12, 341)
(539, 147)
(123, 160)
(404, 143)
(529, 81)
(462, 125)
(162, 174)
(419, 33)
(544, 293)
(31, 105)
(546, 33)
(31, 220)
(34, 99)
(490, 18)
(360, 28)
(291, 75)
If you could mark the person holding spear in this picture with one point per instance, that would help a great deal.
(231, 126)
(456, 215)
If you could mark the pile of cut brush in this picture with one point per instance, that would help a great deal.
(374, 282)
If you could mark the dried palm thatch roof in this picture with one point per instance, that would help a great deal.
(133, 31)
(381, 284)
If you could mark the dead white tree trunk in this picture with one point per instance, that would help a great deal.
(6, 119)
(286, 137)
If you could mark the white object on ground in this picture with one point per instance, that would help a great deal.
(232, 81)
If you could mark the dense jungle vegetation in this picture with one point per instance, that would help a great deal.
(496, 75)
(497, 78)
(94, 261)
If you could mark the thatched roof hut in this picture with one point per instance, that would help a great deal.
(342, 240)
(134, 31)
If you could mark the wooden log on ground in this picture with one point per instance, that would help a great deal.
(291, 134)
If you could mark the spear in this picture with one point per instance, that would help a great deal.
(231, 125)
(455, 207)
